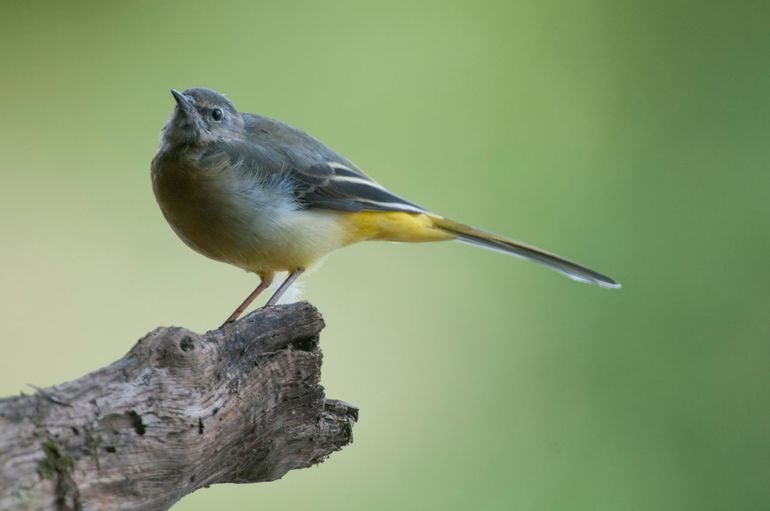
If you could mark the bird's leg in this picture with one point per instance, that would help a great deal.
(264, 283)
(286, 285)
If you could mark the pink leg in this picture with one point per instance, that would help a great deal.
(286, 285)
(264, 283)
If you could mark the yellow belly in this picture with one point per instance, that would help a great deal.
(308, 235)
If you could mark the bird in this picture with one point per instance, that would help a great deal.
(266, 197)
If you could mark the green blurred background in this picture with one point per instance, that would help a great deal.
(630, 136)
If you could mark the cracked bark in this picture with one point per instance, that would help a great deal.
(180, 411)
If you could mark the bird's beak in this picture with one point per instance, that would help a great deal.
(183, 102)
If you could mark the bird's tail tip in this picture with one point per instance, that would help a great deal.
(498, 243)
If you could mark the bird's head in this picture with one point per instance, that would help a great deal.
(202, 116)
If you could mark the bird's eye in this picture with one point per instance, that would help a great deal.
(217, 114)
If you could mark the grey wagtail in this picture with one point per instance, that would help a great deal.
(267, 197)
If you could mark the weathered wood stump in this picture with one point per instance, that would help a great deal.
(179, 412)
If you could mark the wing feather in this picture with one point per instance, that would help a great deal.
(318, 177)
(317, 186)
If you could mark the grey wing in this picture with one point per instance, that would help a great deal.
(334, 185)
(319, 177)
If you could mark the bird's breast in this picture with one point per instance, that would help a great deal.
(247, 221)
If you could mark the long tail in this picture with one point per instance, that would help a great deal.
(491, 241)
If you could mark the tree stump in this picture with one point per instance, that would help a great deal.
(180, 411)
